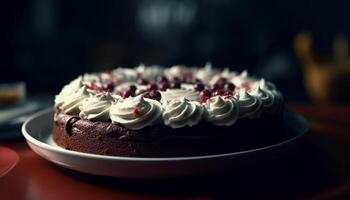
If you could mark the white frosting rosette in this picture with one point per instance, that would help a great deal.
(68, 90)
(222, 111)
(136, 112)
(182, 112)
(96, 108)
(72, 102)
(249, 106)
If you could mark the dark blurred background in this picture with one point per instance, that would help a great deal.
(46, 43)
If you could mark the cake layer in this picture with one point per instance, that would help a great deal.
(73, 133)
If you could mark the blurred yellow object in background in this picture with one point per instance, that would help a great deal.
(326, 80)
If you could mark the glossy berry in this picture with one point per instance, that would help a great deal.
(142, 81)
(164, 86)
(153, 95)
(206, 93)
(230, 86)
(132, 88)
(153, 87)
(217, 86)
(108, 86)
(128, 93)
(199, 86)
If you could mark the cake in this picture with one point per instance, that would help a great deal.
(167, 112)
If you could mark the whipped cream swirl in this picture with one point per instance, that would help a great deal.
(266, 97)
(222, 111)
(182, 112)
(249, 106)
(136, 112)
(72, 103)
(96, 107)
(68, 90)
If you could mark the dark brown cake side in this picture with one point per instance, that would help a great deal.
(105, 138)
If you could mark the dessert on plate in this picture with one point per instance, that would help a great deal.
(167, 112)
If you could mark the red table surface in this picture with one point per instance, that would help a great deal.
(319, 170)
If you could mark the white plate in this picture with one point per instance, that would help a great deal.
(37, 131)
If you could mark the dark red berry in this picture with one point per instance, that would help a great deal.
(217, 86)
(108, 86)
(142, 81)
(218, 93)
(128, 93)
(199, 86)
(230, 86)
(153, 87)
(132, 88)
(175, 84)
(164, 86)
(221, 80)
(206, 93)
(155, 95)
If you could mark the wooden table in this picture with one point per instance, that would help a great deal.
(319, 170)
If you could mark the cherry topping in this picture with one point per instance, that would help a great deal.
(153, 87)
(199, 86)
(217, 86)
(164, 86)
(132, 88)
(128, 93)
(153, 94)
(206, 93)
(230, 86)
(108, 86)
(142, 81)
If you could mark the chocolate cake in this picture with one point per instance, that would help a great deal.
(167, 112)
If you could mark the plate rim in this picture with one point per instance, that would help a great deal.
(49, 147)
